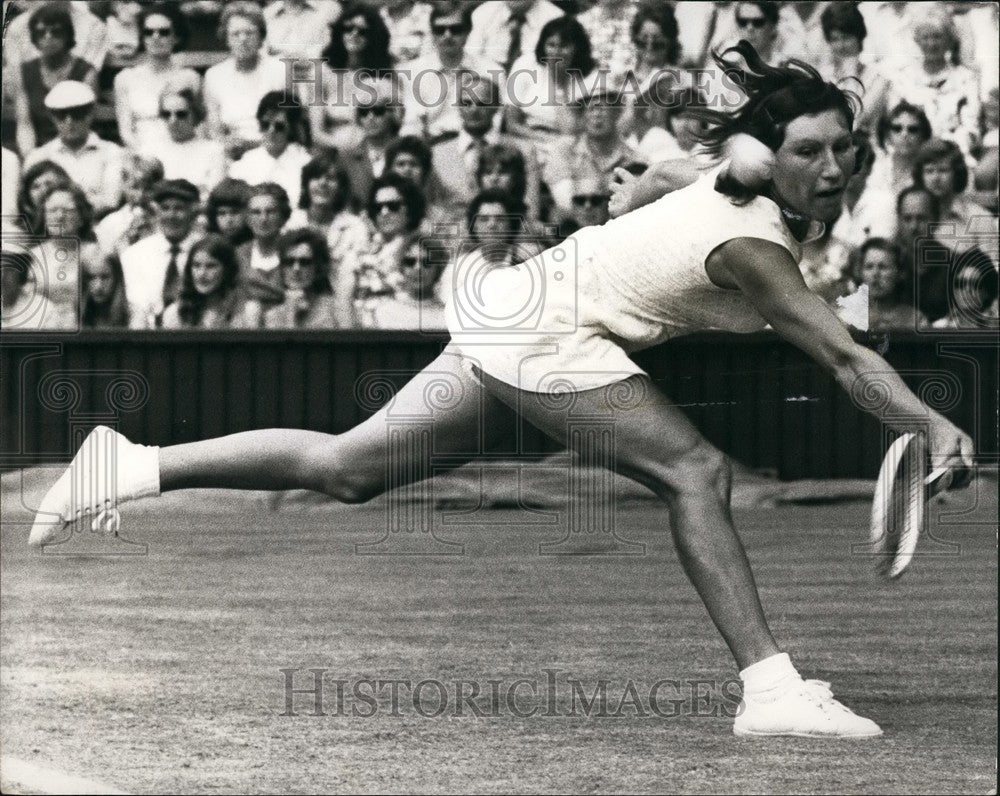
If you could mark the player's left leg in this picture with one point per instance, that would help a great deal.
(649, 439)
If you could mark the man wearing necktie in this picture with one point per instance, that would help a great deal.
(153, 266)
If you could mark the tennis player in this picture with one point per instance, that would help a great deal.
(718, 254)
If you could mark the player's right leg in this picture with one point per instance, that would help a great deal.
(442, 408)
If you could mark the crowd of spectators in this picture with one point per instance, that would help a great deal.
(323, 164)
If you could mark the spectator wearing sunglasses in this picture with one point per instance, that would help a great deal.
(94, 164)
(433, 81)
(281, 155)
(757, 23)
(90, 34)
(162, 31)
(185, 154)
(357, 60)
(378, 120)
(411, 158)
(396, 209)
(308, 303)
(52, 34)
(235, 87)
(899, 135)
(413, 302)
(655, 47)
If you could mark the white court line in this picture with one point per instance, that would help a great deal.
(20, 776)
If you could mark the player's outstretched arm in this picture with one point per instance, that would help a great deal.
(768, 276)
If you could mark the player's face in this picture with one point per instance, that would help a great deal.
(879, 272)
(207, 273)
(298, 267)
(264, 217)
(813, 165)
(62, 216)
(100, 281)
(939, 178)
(449, 34)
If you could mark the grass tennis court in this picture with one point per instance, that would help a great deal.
(162, 671)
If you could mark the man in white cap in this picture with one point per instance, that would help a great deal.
(93, 163)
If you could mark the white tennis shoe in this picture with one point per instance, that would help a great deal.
(805, 709)
(106, 471)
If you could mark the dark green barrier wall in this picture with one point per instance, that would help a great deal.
(752, 395)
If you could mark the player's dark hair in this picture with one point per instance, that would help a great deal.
(776, 95)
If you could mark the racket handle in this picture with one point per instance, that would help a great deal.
(939, 480)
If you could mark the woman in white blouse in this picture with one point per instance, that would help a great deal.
(184, 154)
(162, 30)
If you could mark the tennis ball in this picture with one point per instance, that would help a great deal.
(751, 162)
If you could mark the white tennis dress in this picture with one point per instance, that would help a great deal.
(567, 319)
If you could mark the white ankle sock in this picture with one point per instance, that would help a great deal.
(772, 675)
(145, 480)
